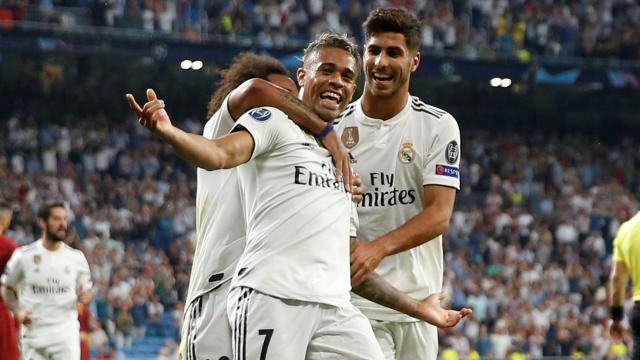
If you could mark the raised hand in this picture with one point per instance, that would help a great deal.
(153, 116)
(431, 311)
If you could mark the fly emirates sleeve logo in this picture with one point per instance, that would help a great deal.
(326, 178)
(383, 192)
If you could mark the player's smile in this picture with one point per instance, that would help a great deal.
(329, 81)
(388, 64)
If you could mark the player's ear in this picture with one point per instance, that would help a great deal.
(301, 73)
(415, 61)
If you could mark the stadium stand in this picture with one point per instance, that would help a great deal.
(470, 29)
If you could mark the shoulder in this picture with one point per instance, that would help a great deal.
(264, 114)
(73, 253)
(429, 112)
(31, 248)
(347, 112)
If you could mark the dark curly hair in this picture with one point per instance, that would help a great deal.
(393, 20)
(245, 66)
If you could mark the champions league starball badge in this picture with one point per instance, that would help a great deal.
(260, 114)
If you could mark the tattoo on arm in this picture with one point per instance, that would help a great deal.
(301, 112)
(380, 291)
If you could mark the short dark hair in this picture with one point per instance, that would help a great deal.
(45, 210)
(395, 20)
(333, 40)
(245, 66)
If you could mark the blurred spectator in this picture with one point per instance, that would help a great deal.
(473, 29)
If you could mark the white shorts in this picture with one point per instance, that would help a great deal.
(406, 340)
(205, 330)
(270, 328)
(56, 342)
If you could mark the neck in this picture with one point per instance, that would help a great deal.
(50, 244)
(383, 108)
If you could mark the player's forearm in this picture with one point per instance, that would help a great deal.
(380, 291)
(197, 150)
(258, 92)
(617, 287)
(425, 226)
(10, 298)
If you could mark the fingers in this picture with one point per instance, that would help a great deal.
(442, 295)
(134, 105)
(356, 180)
(151, 95)
(340, 173)
(465, 312)
(358, 277)
(149, 110)
(346, 170)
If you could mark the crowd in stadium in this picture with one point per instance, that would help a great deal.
(470, 29)
(528, 247)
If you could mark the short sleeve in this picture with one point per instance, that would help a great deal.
(442, 159)
(84, 274)
(220, 123)
(617, 243)
(266, 126)
(13, 272)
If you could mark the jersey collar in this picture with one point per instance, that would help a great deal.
(369, 121)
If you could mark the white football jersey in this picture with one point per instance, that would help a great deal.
(220, 224)
(396, 158)
(298, 215)
(48, 282)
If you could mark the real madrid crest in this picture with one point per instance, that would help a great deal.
(66, 269)
(407, 154)
(37, 259)
(350, 137)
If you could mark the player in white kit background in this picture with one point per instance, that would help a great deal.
(407, 153)
(42, 284)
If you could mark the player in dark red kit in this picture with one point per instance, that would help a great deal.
(8, 325)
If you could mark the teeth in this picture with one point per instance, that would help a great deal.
(381, 77)
(331, 95)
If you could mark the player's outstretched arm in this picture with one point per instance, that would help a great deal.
(221, 153)
(377, 289)
(258, 92)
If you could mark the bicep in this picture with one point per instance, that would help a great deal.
(236, 147)
(439, 196)
(619, 271)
